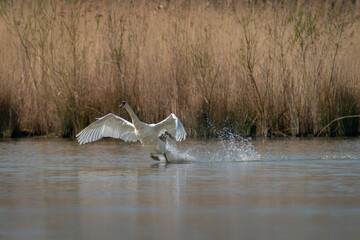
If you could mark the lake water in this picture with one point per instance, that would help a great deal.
(53, 188)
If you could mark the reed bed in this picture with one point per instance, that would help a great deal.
(264, 69)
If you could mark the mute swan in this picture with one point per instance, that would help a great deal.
(114, 126)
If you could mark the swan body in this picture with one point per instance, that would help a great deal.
(114, 126)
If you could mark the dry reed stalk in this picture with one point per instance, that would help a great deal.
(262, 69)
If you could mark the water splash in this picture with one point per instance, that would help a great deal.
(234, 148)
(229, 147)
(339, 156)
(178, 156)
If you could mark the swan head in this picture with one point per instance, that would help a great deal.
(123, 104)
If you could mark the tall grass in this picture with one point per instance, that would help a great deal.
(256, 69)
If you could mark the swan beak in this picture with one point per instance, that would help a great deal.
(121, 105)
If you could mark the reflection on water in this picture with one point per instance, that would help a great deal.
(286, 189)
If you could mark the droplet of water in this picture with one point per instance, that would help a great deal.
(235, 148)
(229, 147)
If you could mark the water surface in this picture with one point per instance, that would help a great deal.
(53, 188)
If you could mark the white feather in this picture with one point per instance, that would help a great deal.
(108, 126)
(172, 125)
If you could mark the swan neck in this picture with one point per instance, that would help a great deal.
(133, 116)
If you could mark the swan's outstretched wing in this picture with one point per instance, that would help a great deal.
(109, 125)
(171, 125)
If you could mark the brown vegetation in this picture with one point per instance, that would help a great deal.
(265, 69)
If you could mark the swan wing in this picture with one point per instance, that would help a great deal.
(172, 125)
(109, 125)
